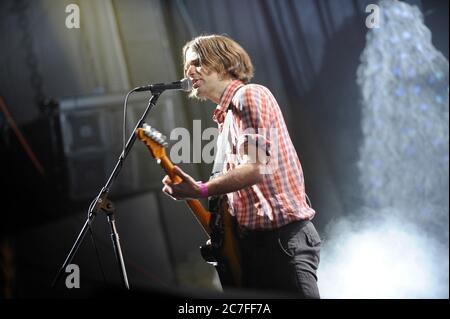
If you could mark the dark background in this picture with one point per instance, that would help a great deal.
(306, 52)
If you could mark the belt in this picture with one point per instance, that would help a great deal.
(247, 233)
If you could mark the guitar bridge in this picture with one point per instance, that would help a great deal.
(211, 251)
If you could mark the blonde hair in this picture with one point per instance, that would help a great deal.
(221, 54)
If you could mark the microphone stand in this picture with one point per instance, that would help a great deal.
(102, 204)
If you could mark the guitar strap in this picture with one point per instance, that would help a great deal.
(222, 142)
(224, 237)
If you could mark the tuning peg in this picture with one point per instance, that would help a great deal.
(154, 134)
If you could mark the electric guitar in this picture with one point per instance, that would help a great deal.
(221, 250)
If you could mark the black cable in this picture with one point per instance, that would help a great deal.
(97, 253)
(90, 209)
(94, 243)
(124, 131)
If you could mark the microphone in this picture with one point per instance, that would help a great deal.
(184, 84)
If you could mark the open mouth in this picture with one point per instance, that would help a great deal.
(195, 83)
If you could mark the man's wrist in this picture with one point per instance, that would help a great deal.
(203, 189)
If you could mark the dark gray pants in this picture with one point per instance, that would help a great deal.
(284, 259)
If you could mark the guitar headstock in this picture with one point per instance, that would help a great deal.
(155, 141)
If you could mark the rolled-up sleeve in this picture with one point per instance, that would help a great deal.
(255, 125)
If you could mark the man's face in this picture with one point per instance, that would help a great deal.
(204, 82)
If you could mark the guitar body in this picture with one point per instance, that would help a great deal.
(222, 249)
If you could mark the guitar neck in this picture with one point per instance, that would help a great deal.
(201, 214)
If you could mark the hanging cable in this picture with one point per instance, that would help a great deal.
(22, 140)
(20, 8)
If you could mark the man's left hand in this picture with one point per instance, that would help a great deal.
(187, 189)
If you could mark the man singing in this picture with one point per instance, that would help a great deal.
(261, 176)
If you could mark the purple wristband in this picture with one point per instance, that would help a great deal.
(203, 189)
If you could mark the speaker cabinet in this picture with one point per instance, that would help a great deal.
(91, 131)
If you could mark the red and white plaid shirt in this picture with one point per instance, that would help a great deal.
(280, 198)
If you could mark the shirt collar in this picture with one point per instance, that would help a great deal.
(225, 100)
